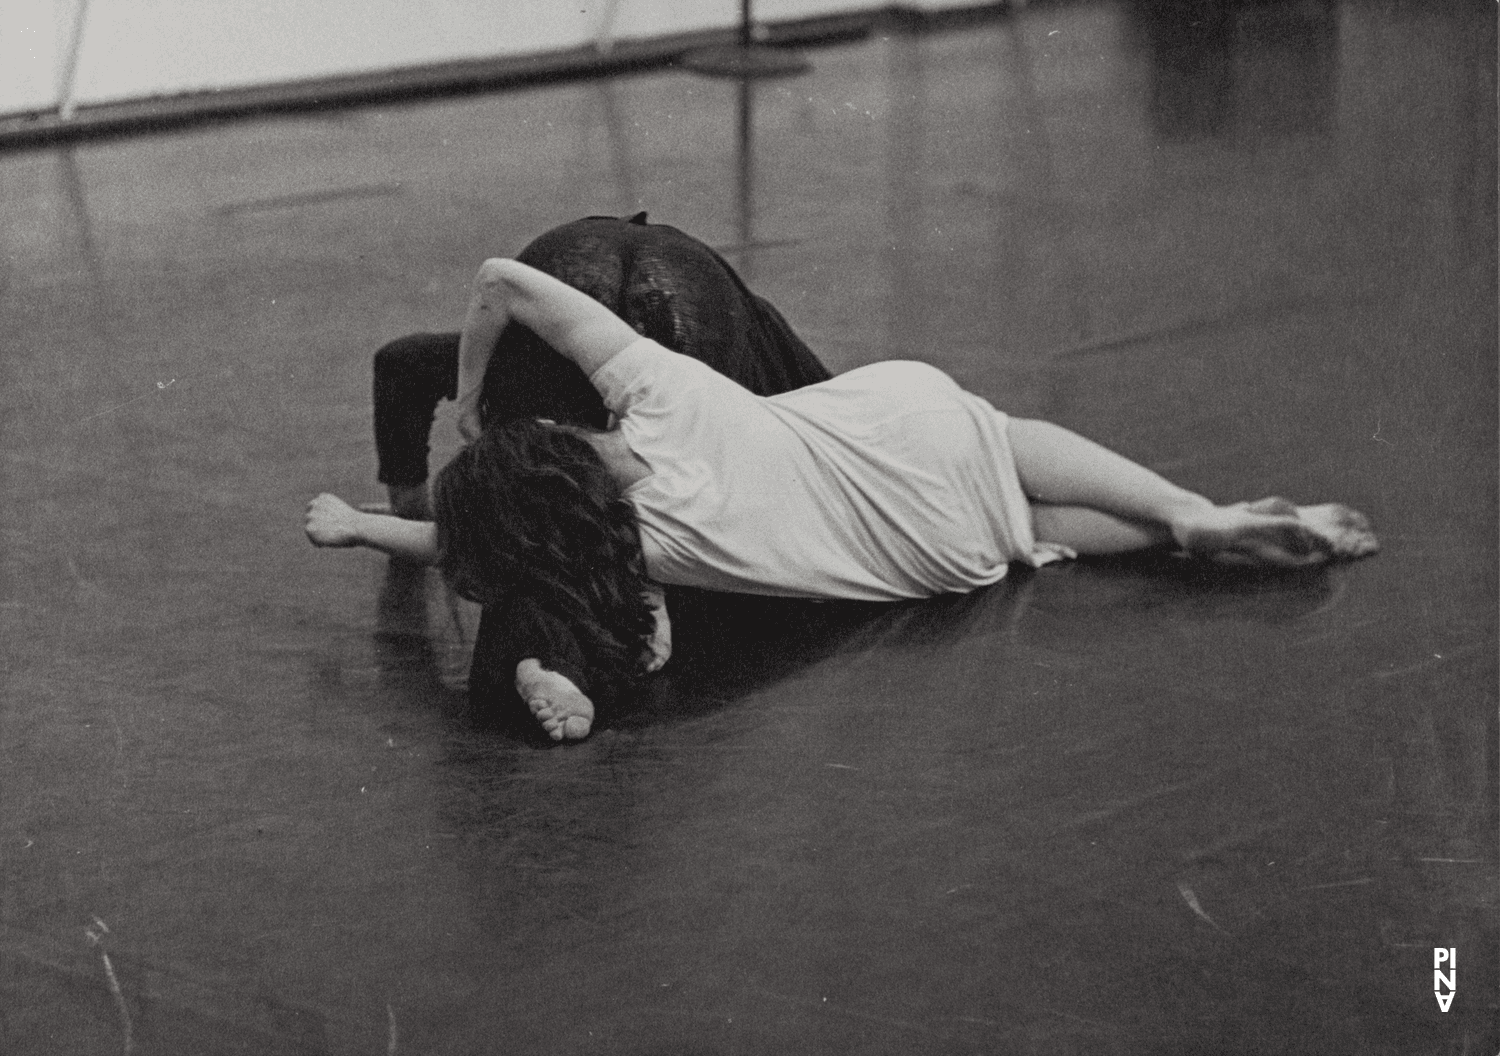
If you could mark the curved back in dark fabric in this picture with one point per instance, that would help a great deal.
(668, 286)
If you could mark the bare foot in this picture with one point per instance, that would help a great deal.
(1276, 533)
(562, 709)
(1348, 531)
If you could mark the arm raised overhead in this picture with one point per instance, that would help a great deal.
(579, 327)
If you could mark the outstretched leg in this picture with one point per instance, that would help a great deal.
(1093, 532)
(1098, 502)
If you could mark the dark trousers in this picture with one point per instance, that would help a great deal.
(669, 287)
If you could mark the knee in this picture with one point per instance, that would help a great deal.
(417, 367)
(402, 355)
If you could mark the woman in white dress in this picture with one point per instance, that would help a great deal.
(883, 483)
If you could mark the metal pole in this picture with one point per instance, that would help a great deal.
(745, 58)
(65, 104)
(604, 36)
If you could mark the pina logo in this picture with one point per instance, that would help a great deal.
(1441, 979)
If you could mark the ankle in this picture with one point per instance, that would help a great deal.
(1190, 516)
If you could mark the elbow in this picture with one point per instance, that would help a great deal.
(494, 275)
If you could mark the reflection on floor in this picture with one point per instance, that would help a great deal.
(1130, 807)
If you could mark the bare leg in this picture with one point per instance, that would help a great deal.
(1058, 467)
(1134, 508)
(562, 709)
(1093, 532)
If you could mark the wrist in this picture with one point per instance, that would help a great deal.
(469, 390)
(359, 527)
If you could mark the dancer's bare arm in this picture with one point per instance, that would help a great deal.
(569, 320)
(333, 522)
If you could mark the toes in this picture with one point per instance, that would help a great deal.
(553, 724)
(1268, 541)
(1299, 541)
(1274, 533)
(1347, 530)
(1293, 545)
(558, 721)
(559, 726)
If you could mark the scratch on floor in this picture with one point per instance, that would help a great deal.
(1131, 802)
(1095, 1023)
(1193, 904)
(160, 385)
(1235, 839)
(1435, 660)
(390, 1019)
(1340, 883)
(96, 938)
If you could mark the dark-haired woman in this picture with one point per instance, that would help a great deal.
(887, 482)
(667, 286)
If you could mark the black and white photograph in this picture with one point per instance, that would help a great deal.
(749, 527)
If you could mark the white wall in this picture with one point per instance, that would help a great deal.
(135, 49)
(32, 36)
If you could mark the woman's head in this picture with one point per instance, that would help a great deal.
(530, 507)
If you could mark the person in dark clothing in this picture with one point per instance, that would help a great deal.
(667, 286)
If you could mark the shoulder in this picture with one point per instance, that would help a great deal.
(645, 371)
(643, 357)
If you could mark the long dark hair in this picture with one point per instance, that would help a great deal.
(529, 507)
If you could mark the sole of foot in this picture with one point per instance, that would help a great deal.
(1277, 533)
(565, 713)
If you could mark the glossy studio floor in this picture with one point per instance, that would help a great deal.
(1128, 807)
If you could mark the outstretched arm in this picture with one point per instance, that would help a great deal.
(333, 522)
(569, 320)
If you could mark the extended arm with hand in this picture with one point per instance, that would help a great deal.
(575, 324)
(331, 521)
